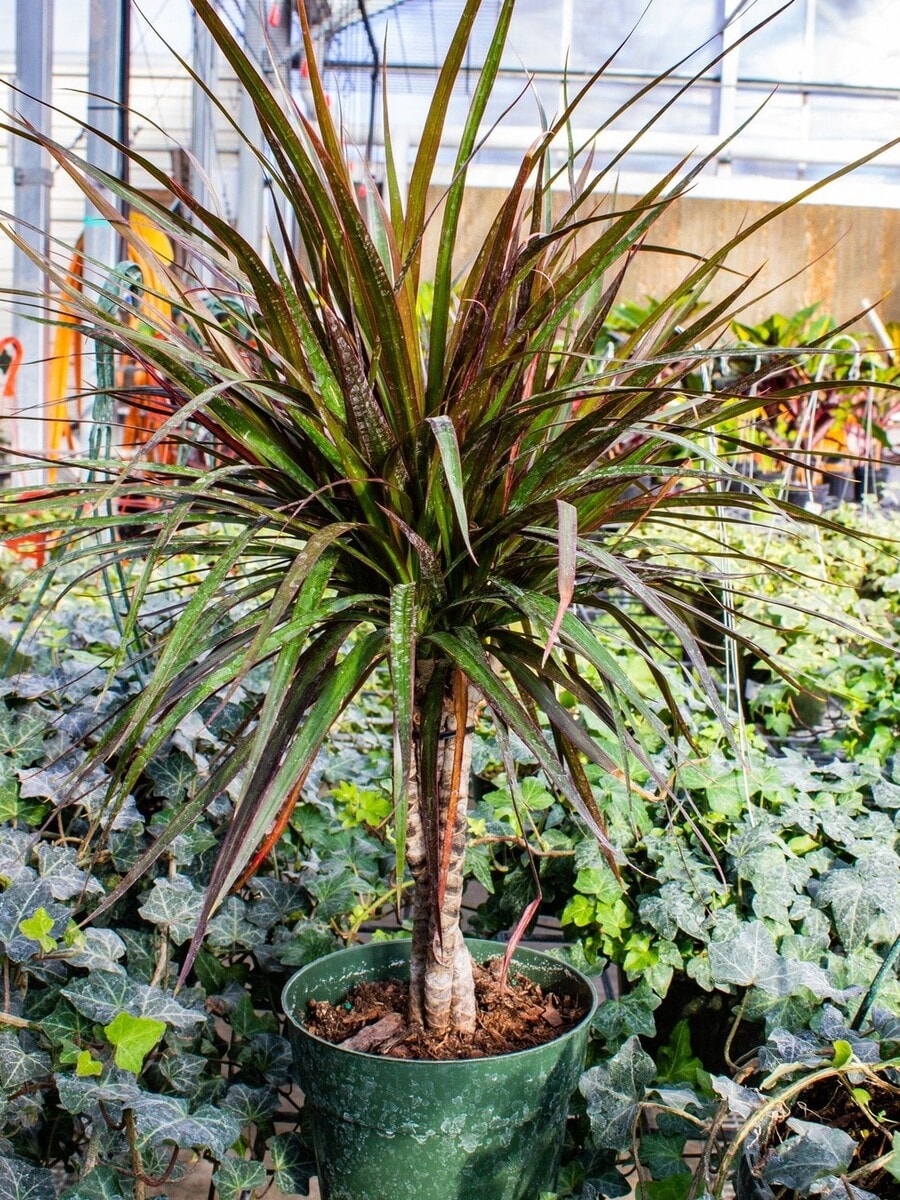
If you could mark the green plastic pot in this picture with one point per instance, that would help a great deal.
(400, 1129)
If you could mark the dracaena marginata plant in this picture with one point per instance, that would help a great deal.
(366, 481)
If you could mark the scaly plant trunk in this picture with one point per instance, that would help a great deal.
(442, 990)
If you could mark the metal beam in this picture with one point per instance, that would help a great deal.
(32, 183)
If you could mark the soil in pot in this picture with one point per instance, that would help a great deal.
(517, 1016)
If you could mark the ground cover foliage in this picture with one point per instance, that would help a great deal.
(767, 891)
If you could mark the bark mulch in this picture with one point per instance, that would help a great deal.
(372, 1018)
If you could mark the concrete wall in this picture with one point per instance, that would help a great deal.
(838, 257)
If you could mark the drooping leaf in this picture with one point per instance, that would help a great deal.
(613, 1092)
(293, 1163)
(812, 1153)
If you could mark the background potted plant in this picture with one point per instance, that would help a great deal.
(436, 494)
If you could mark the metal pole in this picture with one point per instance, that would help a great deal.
(202, 111)
(250, 173)
(267, 40)
(105, 116)
(32, 180)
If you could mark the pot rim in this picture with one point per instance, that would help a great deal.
(431, 1063)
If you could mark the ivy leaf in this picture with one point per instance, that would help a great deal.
(814, 1152)
(230, 928)
(246, 1022)
(617, 1020)
(58, 866)
(64, 1024)
(173, 776)
(613, 1092)
(252, 1106)
(86, 1064)
(293, 1162)
(21, 1181)
(174, 903)
(833, 1187)
(101, 997)
(38, 928)
(100, 1184)
(21, 901)
(236, 1178)
(96, 950)
(269, 1057)
(133, 1038)
(105, 994)
(82, 1094)
(167, 1119)
(22, 736)
(18, 1067)
(183, 1072)
(745, 959)
(274, 902)
(663, 1156)
(854, 901)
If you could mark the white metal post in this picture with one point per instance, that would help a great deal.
(104, 119)
(268, 45)
(203, 130)
(726, 117)
(33, 180)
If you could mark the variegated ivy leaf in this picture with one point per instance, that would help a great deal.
(230, 928)
(252, 1106)
(274, 902)
(786, 1047)
(20, 1180)
(174, 903)
(613, 1091)
(749, 959)
(15, 851)
(102, 996)
(675, 907)
(167, 1119)
(105, 994)
(855, 900)
(833, 1187)
(103, 1183)
(269, 1056)
(21, 736)
(173, 775)
(58, 866)
(95, 950)
(813, 1153)
(19, 1067)
(182, 1072)
(742, 1101)
(293, 1164)
(20, 902)
(237, 1178)
(80, 1094)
